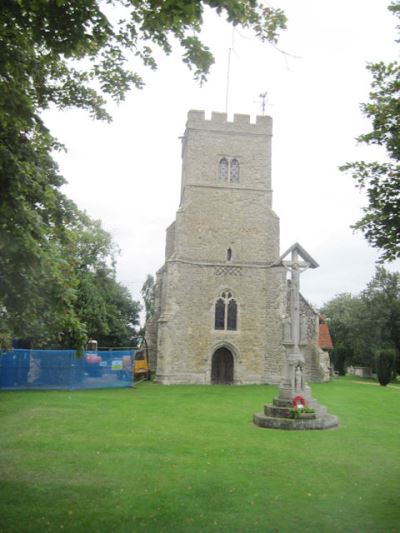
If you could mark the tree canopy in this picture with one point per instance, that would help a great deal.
(148, 295)
(380, 223)
(362, 326)
(77, 53)
(71, 292)
(53, 51)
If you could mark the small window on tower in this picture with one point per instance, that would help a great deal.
(235, 171)
(229, 254)
(223, 170)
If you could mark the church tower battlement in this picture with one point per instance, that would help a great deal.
(263, 123)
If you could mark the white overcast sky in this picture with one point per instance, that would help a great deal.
(128, 173)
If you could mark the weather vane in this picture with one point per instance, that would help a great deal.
(263, 97)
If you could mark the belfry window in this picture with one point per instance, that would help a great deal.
(226, 312)
(229, 170)
(234, 175)
(223, 172)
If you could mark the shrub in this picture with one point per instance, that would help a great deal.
(341, 358)
(385, 362)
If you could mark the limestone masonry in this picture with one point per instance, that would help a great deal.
(221, 296)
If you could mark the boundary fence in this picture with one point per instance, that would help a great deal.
(63, 369)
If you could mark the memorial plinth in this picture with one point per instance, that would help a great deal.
(277, 416)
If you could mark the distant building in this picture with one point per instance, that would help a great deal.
(221, 296)
(325, 339)
(325, 344)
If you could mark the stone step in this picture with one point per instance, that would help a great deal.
(273, 410)
(280, 402)
(320, 410)
(283, 412)
(325, 422)
(281, 408)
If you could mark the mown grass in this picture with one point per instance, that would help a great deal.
(187, 458)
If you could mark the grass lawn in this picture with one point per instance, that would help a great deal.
(188, 459)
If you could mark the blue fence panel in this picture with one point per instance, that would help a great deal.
(62, 369)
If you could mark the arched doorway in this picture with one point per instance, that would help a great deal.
(222, 367)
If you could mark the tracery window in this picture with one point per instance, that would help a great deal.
(234, 175)
(226, 312)
(232, 315)
(223, 169)
(229, 170)
(220, 314)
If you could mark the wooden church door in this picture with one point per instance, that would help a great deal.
(222, 367)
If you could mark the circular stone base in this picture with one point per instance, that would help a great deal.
(324, 422)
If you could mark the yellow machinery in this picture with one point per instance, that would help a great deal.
(141, 367)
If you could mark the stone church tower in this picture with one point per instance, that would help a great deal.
(221, 295)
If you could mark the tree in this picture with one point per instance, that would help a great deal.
(105, 307)
(381, 180)
(382, 309)
(364, 326)
(77, 296)
(75, 53)
(344, 313)
(38, 282)
(385, 361)
(147, 293)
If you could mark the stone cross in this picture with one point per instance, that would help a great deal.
(277, 415)
(296, 260)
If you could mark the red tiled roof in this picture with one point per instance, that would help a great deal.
(325, 340)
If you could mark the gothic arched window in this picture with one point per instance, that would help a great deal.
(229, 170)
(234, 174)
(220, 314)
(226, 312)
(232, 315)
(223, 170)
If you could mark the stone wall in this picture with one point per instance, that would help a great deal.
(316, 362)
(187, 338)
(211, 221)
(170, 241)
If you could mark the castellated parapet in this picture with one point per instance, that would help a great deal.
(221, 294)
(241, 123)
(207, 142)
